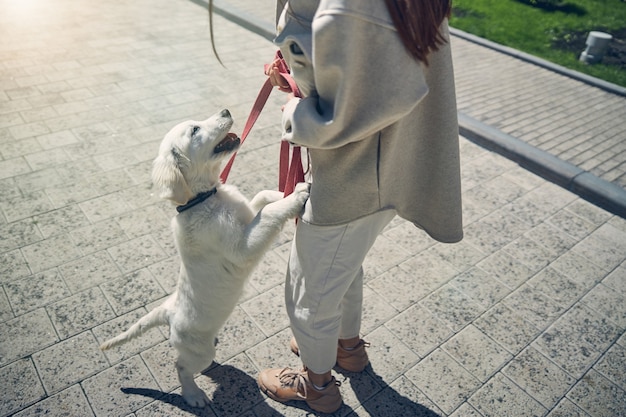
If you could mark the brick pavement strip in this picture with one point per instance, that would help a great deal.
(526, 316)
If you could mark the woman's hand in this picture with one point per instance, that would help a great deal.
(277, 80)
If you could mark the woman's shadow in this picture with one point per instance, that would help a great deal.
(378, 398)
(234, 392)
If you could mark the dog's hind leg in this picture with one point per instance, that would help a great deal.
(188, 364)
(156, 317)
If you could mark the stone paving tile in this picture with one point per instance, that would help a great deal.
(89, 271)
(575, 341)
(452, 307)
(13, 264)
(499, 396)
(106, 390)
(608, 302)
(558, 287)
(69, 402)
(240, 332)
(231, 387)
(616, 280)
(166, 273)
(97, 236)
(143, 221)
(462, 255)
(51, 252)
(6, 313)
(508, 327)
(30, 293)
(270, 352)
(25, 335)
(579, 269)
(69, 362)
(132, 291)
(360, 389)
(79, 312)
(429, 270)
(390, 358)
(566, 408)
(477, 353)
(387, 254)
(466, 410)
(116, 326)
(539, 377)
(376, 311)
(506, 269)
(392, 284)
(443, 380)
(572, 224)
(612, 365)
(137, 253)
(172, 405)
(401, 398)
(481, 287)
(534, 305)
(269, 273)
(598, 396)
(419, 329)
(21, 386)
(266, 310)
(59, 221)
(104, 207)
(160, 360)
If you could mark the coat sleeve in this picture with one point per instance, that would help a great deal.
(364, 80)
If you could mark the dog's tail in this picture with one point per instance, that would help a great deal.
(156, 317)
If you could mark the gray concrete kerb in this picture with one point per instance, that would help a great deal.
(588, 186)
(262, 28)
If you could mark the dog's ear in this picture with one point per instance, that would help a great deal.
(168, 177)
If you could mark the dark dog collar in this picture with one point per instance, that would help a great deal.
(196, 200)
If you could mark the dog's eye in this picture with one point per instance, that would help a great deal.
(194, 130)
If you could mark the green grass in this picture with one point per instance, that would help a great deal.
(534, 30)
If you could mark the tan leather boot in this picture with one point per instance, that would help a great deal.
(288, 385)
(353, 360)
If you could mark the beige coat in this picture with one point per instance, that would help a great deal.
(381, 128)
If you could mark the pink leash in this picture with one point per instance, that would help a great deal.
(290, 169)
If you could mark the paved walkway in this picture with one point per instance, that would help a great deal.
(525, 317)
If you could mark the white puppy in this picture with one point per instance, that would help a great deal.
(220, 237)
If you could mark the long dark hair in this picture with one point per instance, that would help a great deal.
(418, 23)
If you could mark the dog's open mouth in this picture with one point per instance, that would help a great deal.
(228, 144)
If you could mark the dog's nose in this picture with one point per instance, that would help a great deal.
(225, 113)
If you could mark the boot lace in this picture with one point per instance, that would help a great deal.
(294, 380)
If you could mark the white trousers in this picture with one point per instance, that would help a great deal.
(324, 286)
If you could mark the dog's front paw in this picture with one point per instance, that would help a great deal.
(300, 195)
(302, 187)
(301, 192)
(195, 397)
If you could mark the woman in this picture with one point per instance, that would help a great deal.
(379, 118)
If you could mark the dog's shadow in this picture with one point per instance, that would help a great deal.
(232, 393)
